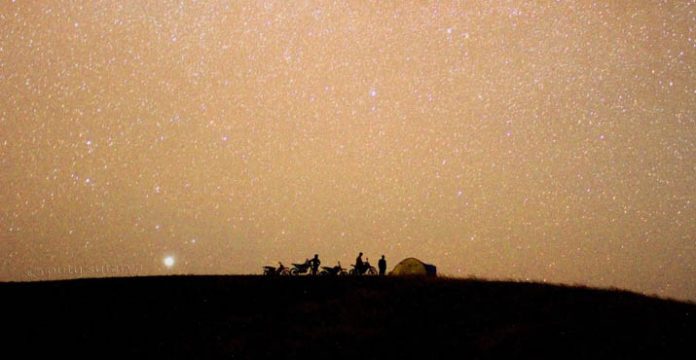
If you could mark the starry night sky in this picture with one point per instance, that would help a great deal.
(505, 139)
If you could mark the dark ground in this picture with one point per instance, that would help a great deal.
(331, 318)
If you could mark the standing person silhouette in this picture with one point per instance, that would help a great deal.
(359, 265)
(315, 264)
(382, 264)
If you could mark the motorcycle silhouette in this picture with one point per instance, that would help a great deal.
(273, 271)
(333, 270)
(366, 269)
(298, 269)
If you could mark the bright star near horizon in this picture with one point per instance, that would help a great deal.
(168, 261)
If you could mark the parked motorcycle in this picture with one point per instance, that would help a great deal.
(333, 270)
(273, 271)
(366, 269)
(298, 269)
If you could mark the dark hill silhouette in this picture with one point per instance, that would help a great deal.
(294, 317)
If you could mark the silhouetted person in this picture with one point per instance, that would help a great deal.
(382, 264)
(359, 265)
(315, 264)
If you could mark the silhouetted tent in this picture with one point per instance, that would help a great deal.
(413, 266)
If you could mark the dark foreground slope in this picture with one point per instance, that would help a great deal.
(324, 318)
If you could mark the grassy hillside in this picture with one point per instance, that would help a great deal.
(256, 317)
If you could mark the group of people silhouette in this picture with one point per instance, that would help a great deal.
(311, 266)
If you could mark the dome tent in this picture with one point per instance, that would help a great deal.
(413, 266)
